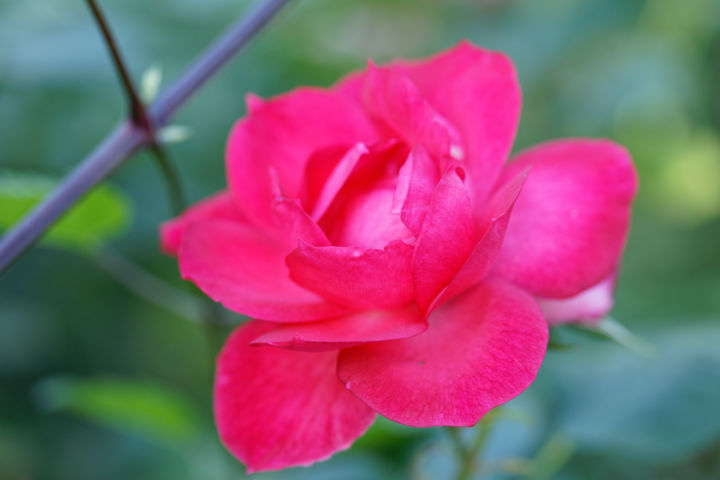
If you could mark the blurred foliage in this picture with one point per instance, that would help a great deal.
(132, 406)
(96, 219)
(642, 72)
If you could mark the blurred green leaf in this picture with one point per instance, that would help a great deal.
(611, 402)
(613, 330)
(101, 215)
(133, 406)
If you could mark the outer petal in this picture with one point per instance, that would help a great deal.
(446, 239)
(477, 91)
(352, 85)
(347, 331)
(282, 133)
(276, 408)
(569, 224)
(391, 96)
(220, 206)
(495, 220)
(483, 348)
(587, 307)
(352, 276)
(245, 270)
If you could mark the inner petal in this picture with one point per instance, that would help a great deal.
(369, 222)
(361, 213)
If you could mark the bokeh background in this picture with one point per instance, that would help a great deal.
(106, 356)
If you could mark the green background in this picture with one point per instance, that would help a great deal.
(107, 373)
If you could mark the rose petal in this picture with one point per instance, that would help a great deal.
(245, 270)
(479, 263)
(446, 239)
(369, 222)
(361, 212)
(253, 102)
(391, 96)
(569, 224)
(292, 224)
(587, 307)
(318, 168)
(355, 277)
(334, 180)
(417, 180)
(275, 408)
(482, 349)
(220, 206)
(352, 85)
(282, 133)
(347, 331)
(477, 91)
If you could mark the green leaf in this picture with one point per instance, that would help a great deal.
(613, 330)
(101, 215)
(612, 403)
(133, 406)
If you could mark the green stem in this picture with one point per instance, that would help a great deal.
(468, 454)
(190, 305)
(465, 455)
(178, 200)
(149, 287)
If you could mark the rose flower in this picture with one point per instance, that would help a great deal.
(391, 261)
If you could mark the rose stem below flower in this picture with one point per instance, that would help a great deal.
(468, 454)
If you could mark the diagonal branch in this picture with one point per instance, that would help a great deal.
(128, 137)
(214, 57)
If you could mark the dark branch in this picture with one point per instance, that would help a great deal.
(127, 137)
(137, 109)
(138, 114)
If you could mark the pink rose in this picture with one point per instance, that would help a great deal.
(368, 230)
